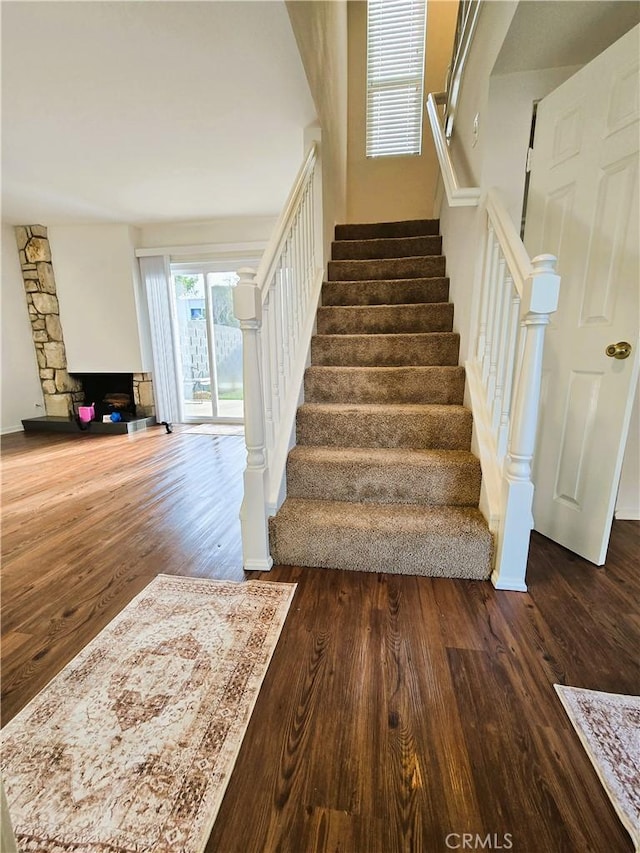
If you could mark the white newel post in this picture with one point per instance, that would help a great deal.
(540, 299)
(247, 306)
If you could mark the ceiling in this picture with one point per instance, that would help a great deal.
(545, 34)
(143, 112)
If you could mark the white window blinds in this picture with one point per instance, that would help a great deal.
(395, 71)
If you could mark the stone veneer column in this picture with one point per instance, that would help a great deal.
(60, 390)
(143, 395)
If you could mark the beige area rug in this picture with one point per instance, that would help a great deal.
(216, 429)
(608, 724)
(129, 749)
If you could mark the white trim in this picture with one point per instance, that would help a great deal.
(457, 196)
(10, 429)
(627, 513)
(253, 247)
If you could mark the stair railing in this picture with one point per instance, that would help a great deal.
(516, 297)
(276, 306)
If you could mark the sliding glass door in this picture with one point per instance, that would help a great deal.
(209, 344)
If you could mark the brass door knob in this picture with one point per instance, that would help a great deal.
(620, 350)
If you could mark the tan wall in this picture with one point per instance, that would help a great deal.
(320, 28)
(389, 188)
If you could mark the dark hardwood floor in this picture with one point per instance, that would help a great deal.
(397, 713)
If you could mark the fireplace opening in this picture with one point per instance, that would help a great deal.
(109, 393)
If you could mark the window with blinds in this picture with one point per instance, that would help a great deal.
(395, 72)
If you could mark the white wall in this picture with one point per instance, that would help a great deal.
(235, 229)
(95, 278)
(628, 501)
(320, 29)
(21, 388)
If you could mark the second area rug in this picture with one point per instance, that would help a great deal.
(131, 746)
(608, 724)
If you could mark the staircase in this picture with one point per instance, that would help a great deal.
(382, 478)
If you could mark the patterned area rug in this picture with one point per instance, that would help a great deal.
(216, 429)
(131, 746)
(608, 725)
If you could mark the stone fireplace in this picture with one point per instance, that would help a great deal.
(64, 392)
(61, 391)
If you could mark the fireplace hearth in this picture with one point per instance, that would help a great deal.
(130, 395)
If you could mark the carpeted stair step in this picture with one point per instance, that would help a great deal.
(420, 426)
(394, 247)
(429, 348)
(373, 230)
(444, 385)
(398, 291)
(435, 541)
(384, 475)
(385, 319)
(426, 266)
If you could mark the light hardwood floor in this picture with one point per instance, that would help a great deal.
(396, 710)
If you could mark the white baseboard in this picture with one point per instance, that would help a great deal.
(7, 430)
(627, 513)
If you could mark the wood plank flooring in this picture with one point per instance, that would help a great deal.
(397, 713)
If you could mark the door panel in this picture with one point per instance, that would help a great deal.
(583, 207)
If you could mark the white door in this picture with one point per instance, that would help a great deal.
(583, 207)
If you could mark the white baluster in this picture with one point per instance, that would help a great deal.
(287, 311)
(488, 342)
(501, 361)
(305, 247)
(297, 282)
(267, 346)
(247, 304)
(540, 299)
(503, 429)
(496, 325)
(273, 352)
(486, 285)
(280, 334)
(309, 229)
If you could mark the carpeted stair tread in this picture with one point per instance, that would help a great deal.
(430, 384)
(395, 247)
(385, 319)
(373, 230)
(384, 475)
(427, 426)
(434, 541)
(426, 266)
(382, 478)
(396, 291)
(428, 348)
